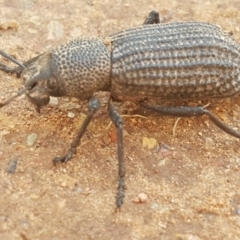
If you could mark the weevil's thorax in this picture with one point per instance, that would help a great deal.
(82, 67)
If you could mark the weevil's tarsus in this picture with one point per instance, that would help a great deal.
(93, 106)
(221, 124)
(118, 122)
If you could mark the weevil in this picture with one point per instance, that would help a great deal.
(180, 61)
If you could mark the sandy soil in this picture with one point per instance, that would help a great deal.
(191, 180)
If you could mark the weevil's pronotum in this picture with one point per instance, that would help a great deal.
(185, 61)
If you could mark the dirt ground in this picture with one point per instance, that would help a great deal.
(191, 179)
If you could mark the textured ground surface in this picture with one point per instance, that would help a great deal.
(192, 179)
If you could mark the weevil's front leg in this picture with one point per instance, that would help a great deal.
(7, 69)
(191, 112)
(153, 18)
(117, 120)
(93, 106)
(18, 70)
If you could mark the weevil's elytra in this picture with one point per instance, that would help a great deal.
(185, 61)
(174, 61)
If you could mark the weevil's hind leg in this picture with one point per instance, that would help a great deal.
(191, 112)
(153, 18)
(117, 120)
(93, 106)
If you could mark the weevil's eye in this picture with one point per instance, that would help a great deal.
(51, 83)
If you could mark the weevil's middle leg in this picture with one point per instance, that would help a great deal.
(93, 106)
(191, 112)
(117, 120)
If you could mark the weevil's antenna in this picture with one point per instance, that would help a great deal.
(19, 93)
(11, 59)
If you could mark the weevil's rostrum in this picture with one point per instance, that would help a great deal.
(177, 60)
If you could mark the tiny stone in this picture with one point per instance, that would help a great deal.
(136, 200)
(62, 203)
(4, 132)
(238, 211)
(186, 237)
(55, 30)
(141, 198)
(64, 184)
(79, 190)
(53, 101)
(149, 143)
(113, 136)
(154, 206)
(34, 196)
(71, 115)
(31, 139)
(32, 31)
(106, 139)
(3, 218)
(161, 163)
(12, 165)
(35, 20)
(8, 24)
(69, 106)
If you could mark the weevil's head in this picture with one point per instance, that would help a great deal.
(40, 81)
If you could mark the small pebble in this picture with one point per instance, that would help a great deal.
(79, 190)
(154, 206)
(53, 101)
(149, 143)
(8, 24)
(12, 165)
(62, 203)
(237, 211)
(55, 30)
(161, 163)
(141, 198)
(113, 136)
(71, 115)
(69, 106)
(106, 139)
(31, 139)
(3, 218)
(34, 196)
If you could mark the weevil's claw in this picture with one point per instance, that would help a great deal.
(38, 109)
(64, 158)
